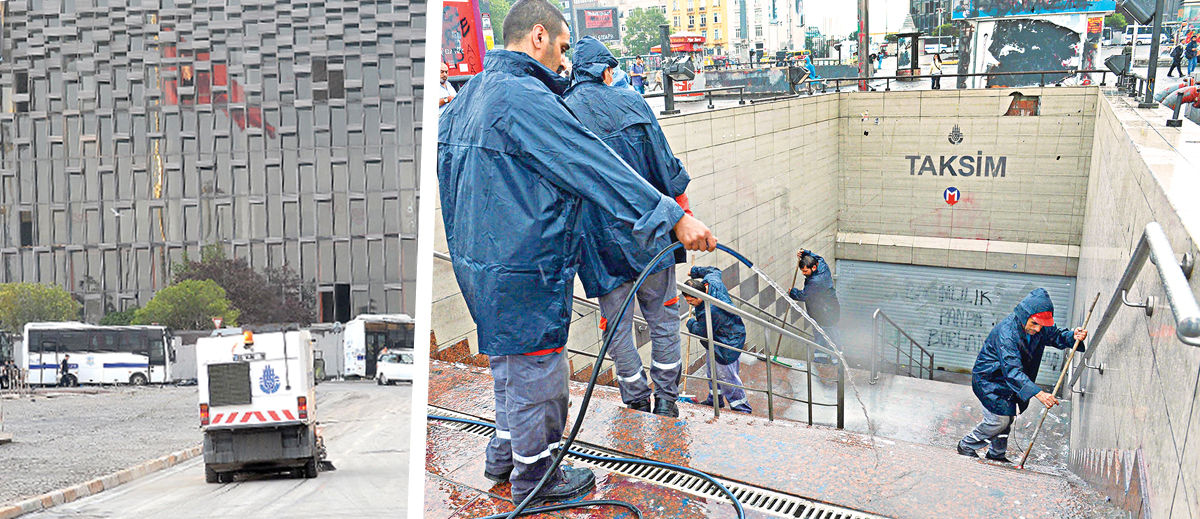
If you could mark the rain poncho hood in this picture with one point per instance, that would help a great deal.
(1008, 363)
(514, 168)
(728, 329)
(591, 59)
(818, 294)
(621, 118)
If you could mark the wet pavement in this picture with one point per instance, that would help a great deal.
(879, 475)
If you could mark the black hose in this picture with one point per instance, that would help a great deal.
(587, 395)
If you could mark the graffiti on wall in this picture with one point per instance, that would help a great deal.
(1028, 45)
(460, 43)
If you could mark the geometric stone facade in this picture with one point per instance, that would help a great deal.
(287, 131)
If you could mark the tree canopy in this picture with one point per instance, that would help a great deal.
(275, 295)
(641, 30)
(188, 305)
(1116, 21)
(498, 10)
(22, 303)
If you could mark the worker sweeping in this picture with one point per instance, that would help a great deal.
(514, 167)
(1006, 368)
(611, 259)
(820, 298)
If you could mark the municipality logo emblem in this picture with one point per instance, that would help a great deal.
(956, 135)
(269, 382)
(951, 195)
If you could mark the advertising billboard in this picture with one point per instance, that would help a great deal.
(602, 24)
(1001, 8)
(466, 35)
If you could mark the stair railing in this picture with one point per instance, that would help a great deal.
(914, 354)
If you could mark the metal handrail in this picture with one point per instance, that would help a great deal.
(1154, 246)
(716, 383)
(877, 353)
(837, 81)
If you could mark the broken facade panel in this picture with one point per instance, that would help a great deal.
(132, 132)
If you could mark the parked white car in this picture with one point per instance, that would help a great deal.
(394, 366)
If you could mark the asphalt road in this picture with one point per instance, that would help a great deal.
(366, 429)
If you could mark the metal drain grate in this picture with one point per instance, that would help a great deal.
(752, 497)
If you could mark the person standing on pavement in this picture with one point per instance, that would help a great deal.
(935, 72)
(1190, 52)
(446, 90)
(1176, 59)
(1006, 367)
(611, 259)
(728, 329)
(514, 170)
(820, 300)
(63, 371)
(637, 75)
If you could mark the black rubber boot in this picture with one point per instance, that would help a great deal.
(997, 457)
(574, 483)
(640, 405)
(664, 407)
(497, 478)
(967, 451)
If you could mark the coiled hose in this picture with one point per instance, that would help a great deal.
(587, 398)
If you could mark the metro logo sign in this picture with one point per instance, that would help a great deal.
(951, 195)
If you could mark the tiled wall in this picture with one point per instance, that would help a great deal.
(886, 213)
(1136, 431)
(763, 178)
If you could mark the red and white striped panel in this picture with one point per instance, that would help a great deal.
(253, 417)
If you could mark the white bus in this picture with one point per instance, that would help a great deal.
(367, 336)
(98, 354)
(937, 44)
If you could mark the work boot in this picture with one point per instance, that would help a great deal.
(664, 407)
(642, 405)
(743, 408)
(967, 451)
(572, 483)
(996, 457)
(497, 478)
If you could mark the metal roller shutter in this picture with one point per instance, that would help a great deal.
(949, 311)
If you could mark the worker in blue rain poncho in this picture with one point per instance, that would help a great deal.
(1006, 367)
(820, 300)
(728, 329)
(612, 259)
(514, 169)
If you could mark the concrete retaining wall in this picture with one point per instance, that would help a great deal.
(1130, 431)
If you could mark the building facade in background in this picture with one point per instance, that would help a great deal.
(707, 18)
(929, 14)
(286, 131)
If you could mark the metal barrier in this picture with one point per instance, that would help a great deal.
(715, 383)
(878, 319)
(837, 82)
(707, 94)
(1173, 275)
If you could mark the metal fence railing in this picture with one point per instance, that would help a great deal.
(909, 353)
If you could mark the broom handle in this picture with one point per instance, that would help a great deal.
(1057, 385)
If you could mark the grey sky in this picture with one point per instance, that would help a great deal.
(841, 16)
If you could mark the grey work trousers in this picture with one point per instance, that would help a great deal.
(993, 430)
(531, 413)
(659, 301)
(736, 396)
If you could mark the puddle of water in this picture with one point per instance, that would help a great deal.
(832, 346)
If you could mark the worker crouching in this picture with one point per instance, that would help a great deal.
(728, 331)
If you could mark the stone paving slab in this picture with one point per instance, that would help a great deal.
(876, 475)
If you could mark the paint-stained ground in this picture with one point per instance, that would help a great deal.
(879, 475)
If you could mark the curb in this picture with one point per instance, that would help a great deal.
(95, 486)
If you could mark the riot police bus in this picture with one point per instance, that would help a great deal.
(95, 354)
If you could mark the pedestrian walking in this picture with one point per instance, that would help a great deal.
(935, 72)
(1190, 52)
(611, 258)
(1006, 367)
(64, 371)
(1176, 59)
(513, 171)
(728, 329)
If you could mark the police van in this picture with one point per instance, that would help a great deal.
(257, 403)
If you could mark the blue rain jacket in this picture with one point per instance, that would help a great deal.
(727, 328)
(818, 295)
(1008, 363)
(514, 167)
(611, 256)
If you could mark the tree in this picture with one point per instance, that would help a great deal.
(276, 295)
(122, 318)
(641, 30)
(188, 305)
(499, 11)
(891, 37)
(1116, 21)
(22, 303)
(946, 29)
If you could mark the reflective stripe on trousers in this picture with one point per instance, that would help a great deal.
(663, 320)
(531, 413)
